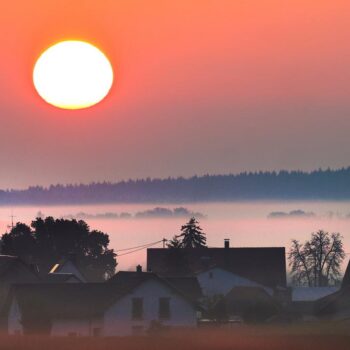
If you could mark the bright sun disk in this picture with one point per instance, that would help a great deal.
(73, 75)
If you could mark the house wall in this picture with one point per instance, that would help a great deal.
(14, 319)
(217, 281)
(118, 318)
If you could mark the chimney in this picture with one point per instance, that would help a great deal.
(138, 268)
(227, 242)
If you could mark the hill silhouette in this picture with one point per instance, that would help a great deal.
(283, 185)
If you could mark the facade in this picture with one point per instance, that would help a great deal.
(152, 302)
(218, 281)
(117, 308)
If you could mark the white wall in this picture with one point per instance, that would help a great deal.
(118, 318)
(223, 281)
(14, 319)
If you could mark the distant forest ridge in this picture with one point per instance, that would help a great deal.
(282, 185)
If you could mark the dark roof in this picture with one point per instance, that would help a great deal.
(59, 277)
(346, 278)
(15, 270)
(266, 266)
(187, 287)
(66, 300)
(333, 303)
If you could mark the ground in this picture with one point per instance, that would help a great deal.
(320, 337)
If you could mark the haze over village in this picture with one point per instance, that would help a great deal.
(174, 174)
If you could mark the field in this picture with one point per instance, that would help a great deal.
(320, 337)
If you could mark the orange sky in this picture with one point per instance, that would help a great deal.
(201, 87)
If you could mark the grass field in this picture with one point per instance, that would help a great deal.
(320, 337)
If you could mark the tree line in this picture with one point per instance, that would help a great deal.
(319, 184)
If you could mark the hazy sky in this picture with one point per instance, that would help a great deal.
(201, 87)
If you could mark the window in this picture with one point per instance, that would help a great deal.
(137, 308)
(164, 308)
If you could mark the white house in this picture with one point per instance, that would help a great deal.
(219, 281)
(110, 309)
(152, 300)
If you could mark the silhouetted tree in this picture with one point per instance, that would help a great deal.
(317, 261)
(192, 235)
(49, 240)
(174, 242)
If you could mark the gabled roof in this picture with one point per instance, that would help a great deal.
(15, 270)
(68, 300)
(266, 266)
(67, 265)
(188, 288)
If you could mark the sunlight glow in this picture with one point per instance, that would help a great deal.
(73, 75)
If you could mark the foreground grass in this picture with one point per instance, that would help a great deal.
(320, 337)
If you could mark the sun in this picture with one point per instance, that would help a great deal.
(73, 74)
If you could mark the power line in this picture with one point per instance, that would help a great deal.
(140, 246)
(143, 247)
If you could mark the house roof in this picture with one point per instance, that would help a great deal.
(60, 277)
(311, 293)
(333, 303)
(187, 287)
(15, 270)
(68, 300)
(266, 266)
(61, 267)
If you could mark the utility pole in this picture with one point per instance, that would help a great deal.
(164, 240)
(12, 224)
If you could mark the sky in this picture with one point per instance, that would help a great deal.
(200, 87)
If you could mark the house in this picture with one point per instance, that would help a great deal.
(304, 299)
(128, 304)
(264, 266)
(336, 306)
(13, 270)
